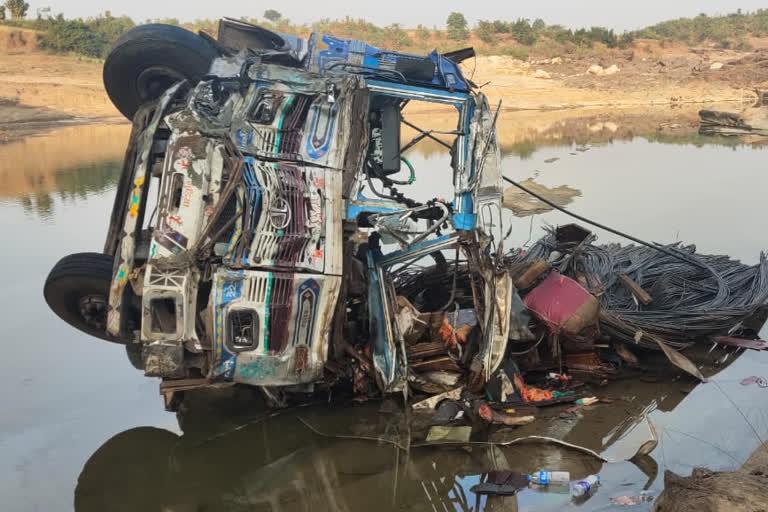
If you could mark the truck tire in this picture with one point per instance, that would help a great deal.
(148, 59)
(77, 290)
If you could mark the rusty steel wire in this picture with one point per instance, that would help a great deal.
(690, 300)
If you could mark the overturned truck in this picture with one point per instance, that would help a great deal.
(263, 211)
(267, 231)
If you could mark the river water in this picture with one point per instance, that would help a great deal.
(81, 429)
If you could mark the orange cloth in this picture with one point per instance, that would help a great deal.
(531, 394)
(447, 331)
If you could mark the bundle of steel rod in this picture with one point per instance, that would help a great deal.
(684, 300)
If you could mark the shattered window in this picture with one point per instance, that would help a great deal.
(163, 313)
(265, 107)
(243, 329)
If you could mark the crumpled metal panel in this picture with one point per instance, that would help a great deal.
(498, 297)
(294, 313)
(127, 248)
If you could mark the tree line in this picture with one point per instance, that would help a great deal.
(94, 36)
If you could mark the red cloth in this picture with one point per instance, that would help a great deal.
(562, 303)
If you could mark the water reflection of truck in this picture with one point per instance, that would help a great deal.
(262, 171)
(230, 457)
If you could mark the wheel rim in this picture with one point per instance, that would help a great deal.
(93, 310)
(153, 81)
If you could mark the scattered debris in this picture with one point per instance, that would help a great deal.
(760, 381)
(715, 66)
(680, 360)
(500, 483)
(431, 402)
(523, 205)
(730, 341)
(438, 434)
(551, 160)
(490, 416)
(632, 499)
(586, 486)
(446, 412)
(540, 73)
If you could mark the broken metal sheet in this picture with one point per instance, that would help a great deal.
(730, 341)
(679, 360)
(498, 300)
(381, 319)
(431, 402)
(135, 207)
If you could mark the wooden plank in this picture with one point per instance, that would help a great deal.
(635, 289)
(424, 350)
(440, 363)
(167, 386)
(730, 341)
(531, 274)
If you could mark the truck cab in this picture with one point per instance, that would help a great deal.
(263, 215)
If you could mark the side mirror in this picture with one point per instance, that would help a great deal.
(390, 139)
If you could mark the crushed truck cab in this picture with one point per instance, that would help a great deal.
(263, 215)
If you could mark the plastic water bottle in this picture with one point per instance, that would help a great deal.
(585, 486)
(549, 477)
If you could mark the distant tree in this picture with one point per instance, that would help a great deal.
(538, 24)
(500, 27)
(457, 26)
(484, 30)
(625, 40)
(272, 15)
(2, 12)
(167, 21)
(522, 32)
(18, 8)
(422, 32)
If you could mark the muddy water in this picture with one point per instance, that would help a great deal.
(80, 428)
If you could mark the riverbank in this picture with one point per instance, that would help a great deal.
(742, 490)
(37, 86)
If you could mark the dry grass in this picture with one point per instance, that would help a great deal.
(65, 83)
(16, 40)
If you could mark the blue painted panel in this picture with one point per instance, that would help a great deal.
(447, 74)
(226, 289)
(382, 351)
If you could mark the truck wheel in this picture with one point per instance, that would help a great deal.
(77, 289)
(148, 59)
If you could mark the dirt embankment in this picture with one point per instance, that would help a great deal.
(645, 75)
(36, 86)
(39, 87)
(743, 490)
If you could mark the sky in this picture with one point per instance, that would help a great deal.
(617, 14)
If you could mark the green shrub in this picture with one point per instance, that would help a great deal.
(92, 37)
(516, 51)
(742, 45)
